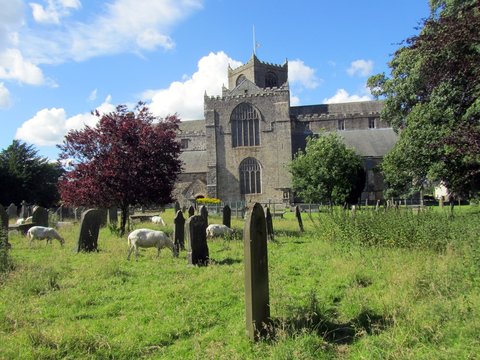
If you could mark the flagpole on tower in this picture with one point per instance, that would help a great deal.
(254, 42)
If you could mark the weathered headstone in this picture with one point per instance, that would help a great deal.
(4, 245)
(377, 206)
(89, 228)
(195, 229)
(179, 232)
(299, 218)
(177, 206)
(257, 299)
(204, 214)
(112, 215)
(227, 216)
(40, 216)
(191, 211)
(12, 211)
(269, 224)
(24, 210)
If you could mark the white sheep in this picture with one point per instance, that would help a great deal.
(41, 232)
(20, 221)
(158, 220)
(218, 230)
(146, 238)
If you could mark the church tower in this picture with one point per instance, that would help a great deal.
(249, 135)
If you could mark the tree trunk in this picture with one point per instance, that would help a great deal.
(123, 221)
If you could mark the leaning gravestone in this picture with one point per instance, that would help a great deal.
(24, 210)
(298, 215)
(40, 216)
(89, 228)
(227, 216)
(269, 224)
(195, 229)
(179, 232)
(12, 211)
(257, 299)
(191, 211)
(204, 214)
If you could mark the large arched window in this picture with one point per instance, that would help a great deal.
(240, 79)
(250, 177)
(245, 122)
(271, 80)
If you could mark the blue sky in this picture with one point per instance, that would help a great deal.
(60, 59)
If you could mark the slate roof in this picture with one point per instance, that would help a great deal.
(194, 161)
(375, 143)
(361, 107)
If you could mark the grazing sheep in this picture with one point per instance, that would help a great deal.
(158, 220)
(146, 238)
(41, 232)
(218, 230)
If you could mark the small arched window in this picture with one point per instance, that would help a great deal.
(240, 79)
(245, 122)
(250, 177)
(271, 80)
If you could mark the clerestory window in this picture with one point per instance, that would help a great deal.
(245, 122)
(250, 177)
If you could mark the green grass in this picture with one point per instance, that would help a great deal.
(346, 288)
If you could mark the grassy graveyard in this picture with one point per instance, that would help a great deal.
(381, 285)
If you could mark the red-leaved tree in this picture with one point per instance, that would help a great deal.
(126, 159)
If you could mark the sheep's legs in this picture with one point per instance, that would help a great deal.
(158, 253)
(129, 252)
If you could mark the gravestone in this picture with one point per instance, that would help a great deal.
(377, 206)
(89, 228)
(227, 216)
(3, 219)
(40, 216)
(269, 224)
(191, 211)
(24, 210)
(257, 301)
(12, 211)
(179, 232)
(177, 206)
(195, 229)
(112, 215)
(299, 218)
(204, 214)
(4, 245)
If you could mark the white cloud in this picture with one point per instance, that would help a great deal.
(93, 95)
(343, 96)
(294, 100)
(186, 97)
(54, 10)
(120, 26)
(360, 68)
(49, 126)
(13, 66)
(5, 101)
(303, 75)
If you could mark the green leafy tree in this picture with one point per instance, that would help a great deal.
(24, 175)
(431, 97)
(327, 171)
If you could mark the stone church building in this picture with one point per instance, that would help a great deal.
(250, 133)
